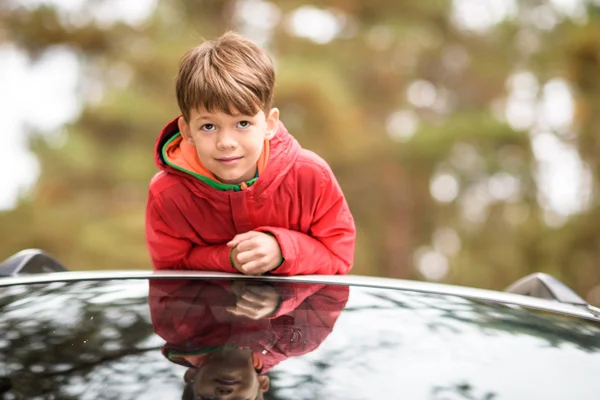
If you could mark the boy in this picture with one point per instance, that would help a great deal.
(236, 192)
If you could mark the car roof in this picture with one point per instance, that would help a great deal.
(578, 310)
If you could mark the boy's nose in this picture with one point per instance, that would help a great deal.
(225, 142)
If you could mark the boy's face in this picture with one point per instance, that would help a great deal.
(228, 374)
(229, 146)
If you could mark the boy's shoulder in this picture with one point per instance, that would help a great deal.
(310, 161)
(163, 181)
(310, 170)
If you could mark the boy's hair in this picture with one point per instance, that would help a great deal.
(230, 71)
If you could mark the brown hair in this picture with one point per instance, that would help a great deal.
(230, 71)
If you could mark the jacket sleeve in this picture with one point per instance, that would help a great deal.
(293, 294)
(316, 317)
(184, 309)
(171, 248)
(328, 248)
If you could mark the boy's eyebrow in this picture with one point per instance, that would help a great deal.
(207, 117)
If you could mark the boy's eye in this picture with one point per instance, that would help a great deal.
(243, 124)
(208, 127)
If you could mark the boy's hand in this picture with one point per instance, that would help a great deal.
(254, 300)
(255, 253)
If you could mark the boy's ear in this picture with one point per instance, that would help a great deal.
(185, 130)
(263, 382)
(189, 375)
(272, 123)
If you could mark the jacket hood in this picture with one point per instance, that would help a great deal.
(283, 151)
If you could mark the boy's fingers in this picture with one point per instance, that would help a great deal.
(238, 287)
(234, 242)
(236, 312)
(253, 297)
(246, 245)
(245, 305)
(252, 267)
(237, 239)
(256, 267)
(246, 256)
(258, 290)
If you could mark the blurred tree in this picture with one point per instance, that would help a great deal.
(422, 108)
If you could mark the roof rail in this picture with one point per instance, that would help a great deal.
(30, 261)
(546, 286)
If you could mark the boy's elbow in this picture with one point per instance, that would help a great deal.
(344, 266)
(164, 265)
(346, 258)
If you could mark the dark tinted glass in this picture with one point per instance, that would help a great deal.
(107, 340)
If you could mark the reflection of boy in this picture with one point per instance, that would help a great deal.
(236, 191)
(228, 355)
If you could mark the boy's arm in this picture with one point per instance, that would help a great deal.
(170, 249)
(316, 317)
(292, 295)
(328, 248)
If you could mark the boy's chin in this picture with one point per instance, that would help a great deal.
(232, 179)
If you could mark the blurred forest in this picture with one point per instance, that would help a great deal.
(438, 118)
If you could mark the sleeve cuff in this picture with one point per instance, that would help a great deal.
(231, 259)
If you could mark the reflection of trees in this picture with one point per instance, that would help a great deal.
(441, 315)
(308, 385)
(553, 329)
(79, 340)
(463, 391)
(491, 318)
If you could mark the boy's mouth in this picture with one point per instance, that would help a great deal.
(228, 160)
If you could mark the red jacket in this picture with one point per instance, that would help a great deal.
(296, 198)
(191, 317)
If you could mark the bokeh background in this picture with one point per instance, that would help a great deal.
(465, 133)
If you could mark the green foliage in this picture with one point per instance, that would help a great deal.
(88, 205)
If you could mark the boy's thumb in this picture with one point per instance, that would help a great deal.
(237, 239)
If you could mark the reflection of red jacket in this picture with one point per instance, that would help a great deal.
(297, 199)
(190, 316)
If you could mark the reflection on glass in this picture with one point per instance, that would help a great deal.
(79, 340)
(95, 340)
(400, 344)
(229, 334)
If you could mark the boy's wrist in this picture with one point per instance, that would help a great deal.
(281, 259)
(232, 258)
